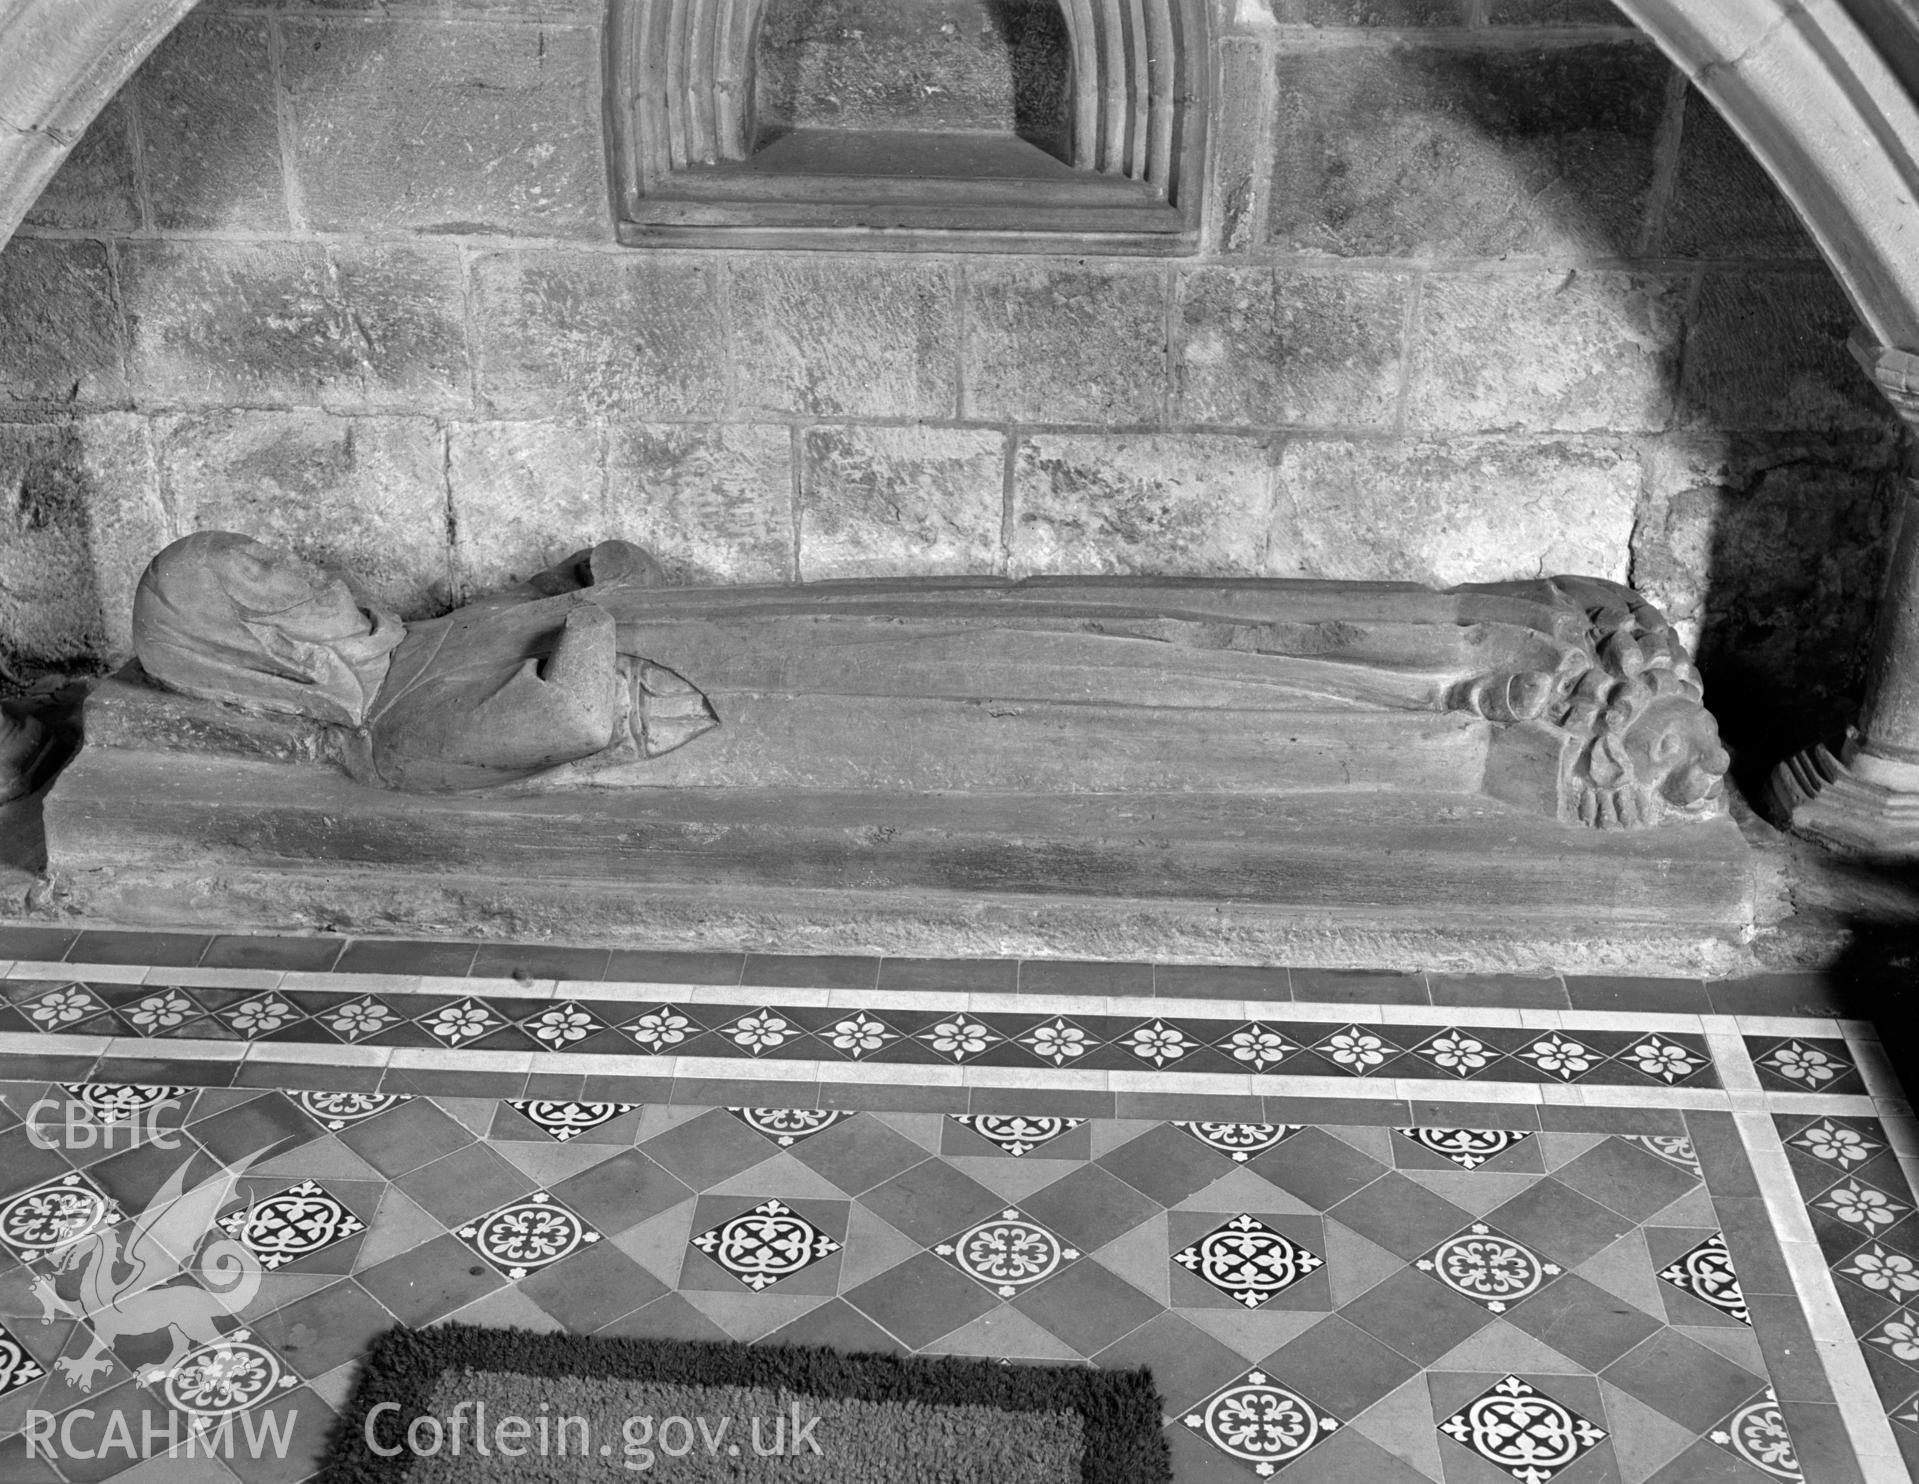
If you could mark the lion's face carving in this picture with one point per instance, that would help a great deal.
(1664, 758)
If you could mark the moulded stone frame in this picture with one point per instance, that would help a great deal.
(679, 100)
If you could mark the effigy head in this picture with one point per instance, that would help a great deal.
(225, 618)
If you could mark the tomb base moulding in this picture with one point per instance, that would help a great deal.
(1498, 775)
(1861, 795)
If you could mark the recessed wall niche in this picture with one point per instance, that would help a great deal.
(999, 125)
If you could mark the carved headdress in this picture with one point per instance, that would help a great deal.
(222, 617)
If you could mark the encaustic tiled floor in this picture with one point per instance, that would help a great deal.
(1453, 1231)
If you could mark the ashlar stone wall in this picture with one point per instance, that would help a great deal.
(1484, 292)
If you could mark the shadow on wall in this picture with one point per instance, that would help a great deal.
(1768, 460)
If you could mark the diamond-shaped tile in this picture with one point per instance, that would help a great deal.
(566, 1121)
(1248, 1261)
(1706, 1273)
(661, 1030)
(17, 1368)
(1757, 1433)
(1896, 1335)
(1469, 1148)
(1488, 1267)
(559, 1026)
(1060, 1041)
(1261, 1423)
(787, 1126)
(532, 1232)
(959, 1038)
(53, 1214)
(1007, 1252)
(1524, 1432)
(1457, 1053)
(1865, 1208)
(261, 1014)
(1016, 1134)
(1355, 1049)
(1257, 1046)
(58, 1009)
(164, 1010)
(761, 1031)
(291, 1224)
(1663, 1058)
(1881, 1270)
(1807, 1067)
(761, 1246)
(359, 1018)
(1239, 1142)
(337, 1110)
(856, 1036)
(1565, 1058)
(1836, 1144)
(1157, 1043)
(461, 1023)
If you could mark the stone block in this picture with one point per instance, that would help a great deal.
(1555, 13)
(1266, 347)
(1049, 342)
(525, 495)
(1724, 205)
(1768, 551)
(402, 125)
(841, 337)
(714, 504)
(1562, 350)
(364, 495)
(1372, 12)
(1463, 510)
(94, 190)
(1141, 503)
(1240, 144)
(80, 520)
(1459, 151)
(210, 130)
(59, 329)
(562, 332)
(992, 66)
(351, 327)
(879, 502)
(1768, 350)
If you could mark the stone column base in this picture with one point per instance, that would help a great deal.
(1850, 800)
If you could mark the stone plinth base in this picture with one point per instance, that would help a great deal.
(1429, 878)
(1849, 800)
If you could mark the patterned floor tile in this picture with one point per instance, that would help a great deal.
(1757, 1434)
(290, 1224)
(1488, 1268)
(1245, 1260)
(770, 1241)
(532, 1232)
(1260, 1423)
(1523, 1430)
(1006, 1252)
(1465, 1148)
(564, 1121)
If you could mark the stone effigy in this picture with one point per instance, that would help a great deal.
(593, 672)
(1101, 767)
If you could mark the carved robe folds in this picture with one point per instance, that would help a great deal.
(1571, 697)
(1516, 775)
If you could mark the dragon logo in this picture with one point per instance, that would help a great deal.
(128, 1273)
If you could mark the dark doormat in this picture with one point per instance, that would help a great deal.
(456, 1402)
